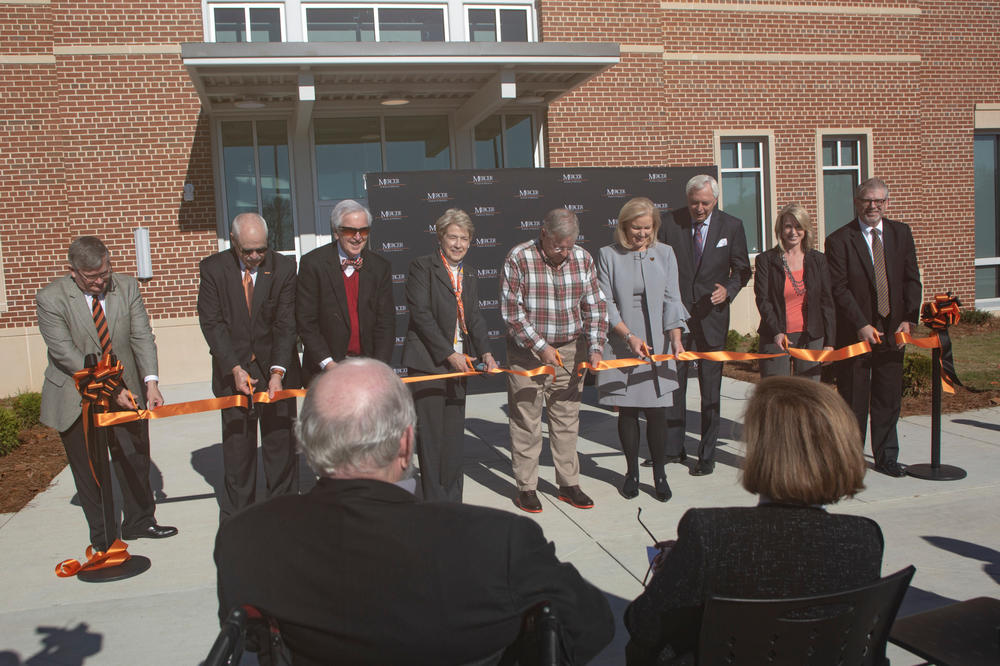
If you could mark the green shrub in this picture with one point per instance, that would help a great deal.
(976, 317)
(733, 340)
(916, 374)
(754, 345)
(27, 407)
(9, 427)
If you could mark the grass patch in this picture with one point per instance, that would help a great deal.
(976, 350)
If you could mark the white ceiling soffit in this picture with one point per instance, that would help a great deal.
(473, 79)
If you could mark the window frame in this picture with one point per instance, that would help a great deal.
(246, 7)
(989, 303)
(376, 6)
(865, 164)
(222, 200)
(535, 140)
(766, 152)
(528, 9)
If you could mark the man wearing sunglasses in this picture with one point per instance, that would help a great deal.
(95, 311)
(246, 308)
(344, 306)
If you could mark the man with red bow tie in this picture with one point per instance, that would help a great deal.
(344, 304)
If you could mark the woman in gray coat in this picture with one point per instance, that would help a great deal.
(638, 277)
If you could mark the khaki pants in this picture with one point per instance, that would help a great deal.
(562, 400)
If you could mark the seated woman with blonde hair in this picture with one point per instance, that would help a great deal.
(801, 453)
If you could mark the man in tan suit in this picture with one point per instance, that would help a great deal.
(94, 311)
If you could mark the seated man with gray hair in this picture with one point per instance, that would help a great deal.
(358, 571)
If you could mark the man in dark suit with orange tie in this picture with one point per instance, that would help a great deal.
(344, 305)
(712, 266)
(876, 290)
(246, 308)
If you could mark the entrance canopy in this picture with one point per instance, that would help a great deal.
(471, 79)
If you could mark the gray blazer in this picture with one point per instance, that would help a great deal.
(618, 272)
(67, 326)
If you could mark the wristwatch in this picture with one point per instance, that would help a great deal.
(628, 335)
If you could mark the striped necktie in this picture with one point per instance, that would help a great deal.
(881, 282)
(101, 322)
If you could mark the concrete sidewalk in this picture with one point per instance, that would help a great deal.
(949, 530)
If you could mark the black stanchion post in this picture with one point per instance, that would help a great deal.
(935, 471)
(136, 564)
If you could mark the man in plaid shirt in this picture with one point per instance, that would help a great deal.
(556, 316)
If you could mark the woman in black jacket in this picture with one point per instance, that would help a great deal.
(801, 453)
(792, 289)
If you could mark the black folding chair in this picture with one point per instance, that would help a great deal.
(849, 628)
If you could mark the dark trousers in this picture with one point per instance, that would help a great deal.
(710, 383)
(656, 437)
(129, 448)
(874, 383)
(239, 453)
(440, 409)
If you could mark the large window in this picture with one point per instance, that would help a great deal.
(505, 141)
(246, 23)
(256, 176)
(498, 24)
(843, 158)
(347, 148)
(987, 159)
(376, 23)
(743, 172)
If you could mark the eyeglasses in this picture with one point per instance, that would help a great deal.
(93, 279)
(560, 250)
(247, 251)
(351, 232)
(878, 203)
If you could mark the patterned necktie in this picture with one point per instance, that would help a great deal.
(881, 283)
(355, 262)
(102, 327)
(699, 242)
(248, 289)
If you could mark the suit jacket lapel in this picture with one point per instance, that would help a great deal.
(265, 274)
(441, 273)
(861, 247)
(81, 313)
(233, 282)
(335, 276)
(711, 239)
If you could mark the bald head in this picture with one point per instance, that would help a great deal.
(357, 422)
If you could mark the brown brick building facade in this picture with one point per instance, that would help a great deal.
(102, 126)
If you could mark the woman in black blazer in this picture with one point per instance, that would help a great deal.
(792, 289)
(445, 328)
(801, 453)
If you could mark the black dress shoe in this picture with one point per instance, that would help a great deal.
(153, 531)
(703, 469)
(527, 500)
(891, 468)
(646, 463)
(676, 459)
(662, 488)
(630, 487)
(573, 495)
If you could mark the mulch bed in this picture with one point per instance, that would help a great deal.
(28, 469)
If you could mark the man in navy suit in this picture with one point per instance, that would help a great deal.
(246, 308)
(877, 291)
(712, 265)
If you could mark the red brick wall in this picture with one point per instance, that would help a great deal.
(100, 144)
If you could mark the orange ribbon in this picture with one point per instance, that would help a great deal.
(930, 342)
(96, 559)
